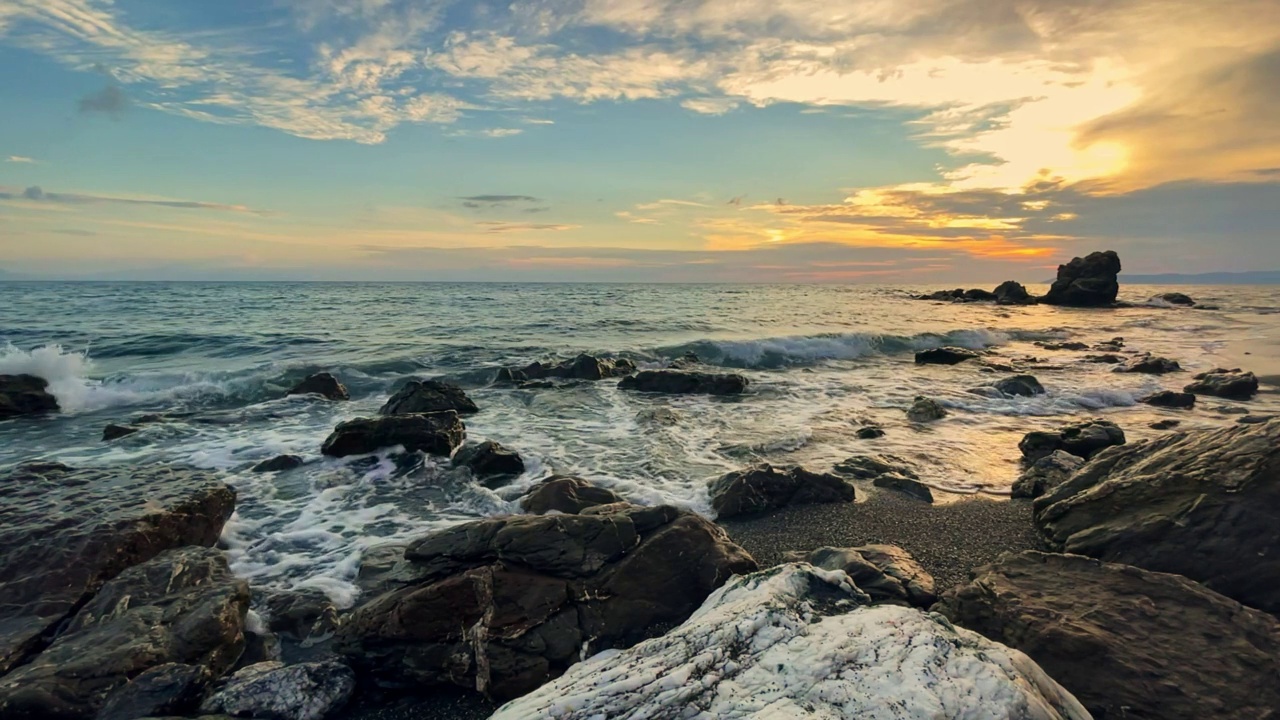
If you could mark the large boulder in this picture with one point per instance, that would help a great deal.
(1150, 365)
(182, 606)
(25, 395)
(438, 433)
(502, 605)
(169, 689)
(1087, 282)
(489, 460)
(323, 384)
(308, 691)
(887, 573)
(1084, 440)
(565, 494)
(685, 382)
(428, 396)
(582, 367)
(1013, 293)
(1019, 386)
(945, 356)
(65, 532)
(1223, 383)
(763, 488)
(794, 642)
(1170, 399)
(1128, 643)
(1046, 473)
(1203, 503)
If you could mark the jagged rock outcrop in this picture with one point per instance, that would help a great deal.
(887, 573)
(438, 433)
(565, 494)
(1128, 643)
(1223, 383)
(25, 395)
(1150, 365)
(489, 460)
(763, 488)
(1013, 293)
(795, 642)
(428, 396)
(685, 382)
(307, 691)
(323, 384)
(169, 689)
(1170, 399)
(582, 367)
(1084, 440)
(1046, 473)
(1090, 281)
(945, 356)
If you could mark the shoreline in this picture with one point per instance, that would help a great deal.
(1261, 356)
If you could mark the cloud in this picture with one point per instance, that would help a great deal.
(500, 199)
(110, 100)
(711, 105)
(36, 194)
(494, 227)
(20, 159)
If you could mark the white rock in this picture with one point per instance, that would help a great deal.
(308, 691)
(798, 642)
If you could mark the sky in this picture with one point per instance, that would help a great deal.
(887, 141)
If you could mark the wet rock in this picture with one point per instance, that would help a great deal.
(1106, 359)
(65, 532)
(1046, 473)
(115, 432)
(502, 605)
(1165, 424)
(684, 362)
(945, 356)
(662, 416)
(869, 433)
(1090, 281)
(925, 410)
(582, 367)
(182, 606)
(905, 485)
(1013, 293)
(1170, 399)
(323, 384)
(1085, 440)
(1230, 384)
(169, 689)
(943, 295)
(565, 494)
(306, 615)
(1071, 346)
(887, 573)
(279, 463)
(1020, 386)
(1255, 419)
(794, 642)
(683, 382)
(308, 691)
(1203, 503)
(438, 433)
(428, 396)
(25, 395)
(1128, 643)
(1150, 365)
(978, 295)
(489, 460)
(1175, 298)
(886, 471)
(763, 488)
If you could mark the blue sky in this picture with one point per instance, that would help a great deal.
(758, 140)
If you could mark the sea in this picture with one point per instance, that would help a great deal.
(823, 361)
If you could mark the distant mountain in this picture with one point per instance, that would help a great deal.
(1259, 277)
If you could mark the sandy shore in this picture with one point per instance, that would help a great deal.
(1260, 356)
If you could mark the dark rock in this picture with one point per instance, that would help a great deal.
(1013, 293)
(582, 367)
(763, 488)
(1150, 365)
(1174, 298)
(489, 460)
(1046, 473)
(1170, 399)
(1084, 440)
(684, 362)
(66, 532)
(925, 410)
(1255, 419)
(977, 295)
(869, 433)
(886, 471)
(1087, 282)
(114, 432)
(428, 396)
(308, 691)
(438, 433)
(279, 463)
(1165, 424)
(683, 382)
(1204, 504)
(945, 356)
(1126, 642)
(1069, 346)
(308, 616)
(887, 573)
(323, 384)
(1020, 385)
(25, 395)
(169, 689)
(944, 295)
(182, 606)
(1107, 359)
(565, 494)
(502, 605)
(905, 485)
(663, 416)
(1230, 384)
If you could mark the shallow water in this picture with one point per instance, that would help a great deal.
(821, 360)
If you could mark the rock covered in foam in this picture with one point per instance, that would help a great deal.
(796, 641)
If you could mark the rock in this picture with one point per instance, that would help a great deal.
(886, 471)
(279, 463)
(1128, 643)
(1086, 282)
(1230, 384)
(1069, 346)
(1046, 473)
(115, 432)
(565, 494)
(65, 532)
(869, 433)
(1150, 365)
(169, 689)
(502, 605)
(323, 384)
(887, 573)
(1013, 293)
(943, 295)
(1084, 440)
(683, 382)
(1107, 359)
(182, 606)
(905, 485)
(1165, 424)
(1020, 386)
(684, 362)
(1174, 298)
(1204, 504)
(793, 642)
(438, 433)
(428, 396)
(661, 416)
(925, 410)
(489, 460)
(1170, 399)
(945, 356)
(763, 488)
(309, 691)
(977, 295)
(306, 615)
(25, 395)
(1255, 419)
(583, 367)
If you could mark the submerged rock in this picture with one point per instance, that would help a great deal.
(169, 689)
(796, 642)
(1128, 643)
(887, 573)
(438, 433)
(1223, 383)
(1105, 359)
(1165, 424)
(25, 395)
(684, 382)
(1013, 293)
(684, 362)
(763, 488)
(945, 356)
(1150, 365)
(279, 463)
(1204, 504)
(1046, 473)
(1170, 399)
(870, 433)
(1020, 386)
(428, 396)
(115, 432)
(309, 691)
(1084, 440)
(925, 410)
(565, 494)
(1090, 281)
(489, 460)
(323, 384)
(504, 604)
(582, 367)
(1175, 298)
